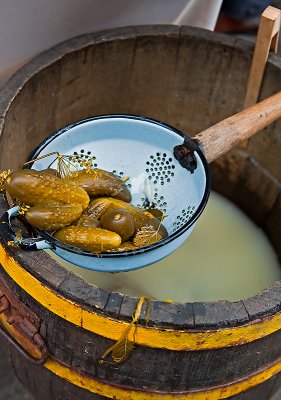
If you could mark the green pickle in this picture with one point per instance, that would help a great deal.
(108, 222)
(158, 226)
(95, 240)
(98, 182)
(126, 246)
(50, 217)
(50, 171)
(87, 220)
(34, 187)
(98, 207)
(119, 221)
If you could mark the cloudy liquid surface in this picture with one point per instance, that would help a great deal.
(227, 257)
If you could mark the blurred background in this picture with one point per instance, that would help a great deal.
(27, 27)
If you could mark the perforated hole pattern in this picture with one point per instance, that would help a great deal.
(160, 170)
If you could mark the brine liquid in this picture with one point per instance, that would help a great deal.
(226, 258)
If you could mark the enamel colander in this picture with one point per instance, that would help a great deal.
(167, 170)
(146, 151)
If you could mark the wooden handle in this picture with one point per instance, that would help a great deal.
(227, 134)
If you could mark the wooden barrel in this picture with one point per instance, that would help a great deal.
(189, 78)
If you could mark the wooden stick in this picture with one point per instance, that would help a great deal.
(267, 38)
(227, 134)
(222, 137)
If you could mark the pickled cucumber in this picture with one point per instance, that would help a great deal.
(105, 223)
(50, 217)
(91, 239)
(50, 171)
(158, 226)
(34, 187)
(126, 246)
(119, 221)
(87, 220)
(98, 207)
(98, 182)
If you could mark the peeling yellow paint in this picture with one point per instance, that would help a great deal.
(146, 336)
(119, 393)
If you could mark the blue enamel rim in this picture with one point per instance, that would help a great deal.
(54, 242)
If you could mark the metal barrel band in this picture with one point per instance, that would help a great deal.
(95, 322)
(124, 392)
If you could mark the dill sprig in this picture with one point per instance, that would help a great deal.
(68, 165)
(146, 236)
(3, 176)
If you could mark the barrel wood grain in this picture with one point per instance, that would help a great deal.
(265, 147)
(272, 228)
(56, 330)
(53, 384)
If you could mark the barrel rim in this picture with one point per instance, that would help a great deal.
(236, 312)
